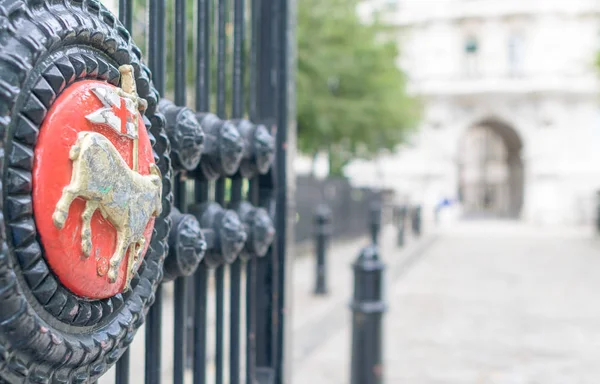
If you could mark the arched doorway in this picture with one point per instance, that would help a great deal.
(491, 171)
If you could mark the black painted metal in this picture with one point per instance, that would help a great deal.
(349, 207)
(181, 284)
(367, 311)
(322, 234)
(126, 13)
(122, 369)
(156, 55)
(235, 272)
(202, 87)
(200, 293)
(122, 372)
(179, 340)
(266, 302)
(375, 211)
(198, 150)
(416, 220)
(49, 52)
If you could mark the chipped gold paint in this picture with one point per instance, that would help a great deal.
(129, 90)
(100, 176)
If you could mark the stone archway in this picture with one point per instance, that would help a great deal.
(491, 177)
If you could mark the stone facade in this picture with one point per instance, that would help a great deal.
(522, 71)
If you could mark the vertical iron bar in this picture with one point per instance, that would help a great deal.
(234, 324)
(238, 60)
(253, 197)
(220, 184)
(201, 292)
(250, 301)
(219, 285)
(180, 299)
(254, 29)
(237, 110)
(156, 43)
(203, 56)
(265, 302)
(122, 370)
(180, 52)
(250, 321)
(125, 16)
(235, 276)
(126, 13)
(221, 52)
(153, 339)
(285, 93)
(156, 55)
(201, 187)
(219, 299)
(180, 321)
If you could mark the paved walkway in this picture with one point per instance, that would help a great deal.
(311, 315)
(492, 302)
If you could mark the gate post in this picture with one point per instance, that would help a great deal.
(322, 233)
(367, 310)
(375, 220)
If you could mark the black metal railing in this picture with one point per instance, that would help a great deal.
(349, 207)
(240, 56)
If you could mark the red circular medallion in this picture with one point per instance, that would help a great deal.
(99, 186)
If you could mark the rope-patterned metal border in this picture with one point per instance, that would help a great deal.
(80, 64)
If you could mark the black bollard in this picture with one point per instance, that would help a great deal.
(416, 221)
(375, 220)
(367, 312)
(322, 233)
(401, 223)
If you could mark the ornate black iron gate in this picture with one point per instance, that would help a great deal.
(111, 192)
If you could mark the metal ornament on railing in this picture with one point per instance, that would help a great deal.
(187, 246)
(185, 134)
(259, 148)
(87, 192)
(224, 233)
(259, 228)
(223, 148)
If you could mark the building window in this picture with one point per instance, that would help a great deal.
(471, 50)
(516, 48)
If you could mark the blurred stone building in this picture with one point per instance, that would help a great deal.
(511, 119)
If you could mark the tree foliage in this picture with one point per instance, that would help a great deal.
(141, 38)
(352, 98)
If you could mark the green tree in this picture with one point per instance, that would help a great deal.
(352, 99)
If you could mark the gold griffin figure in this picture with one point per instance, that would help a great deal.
(100, 176)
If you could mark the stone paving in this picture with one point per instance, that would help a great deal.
(311, 315)
(491, 302)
